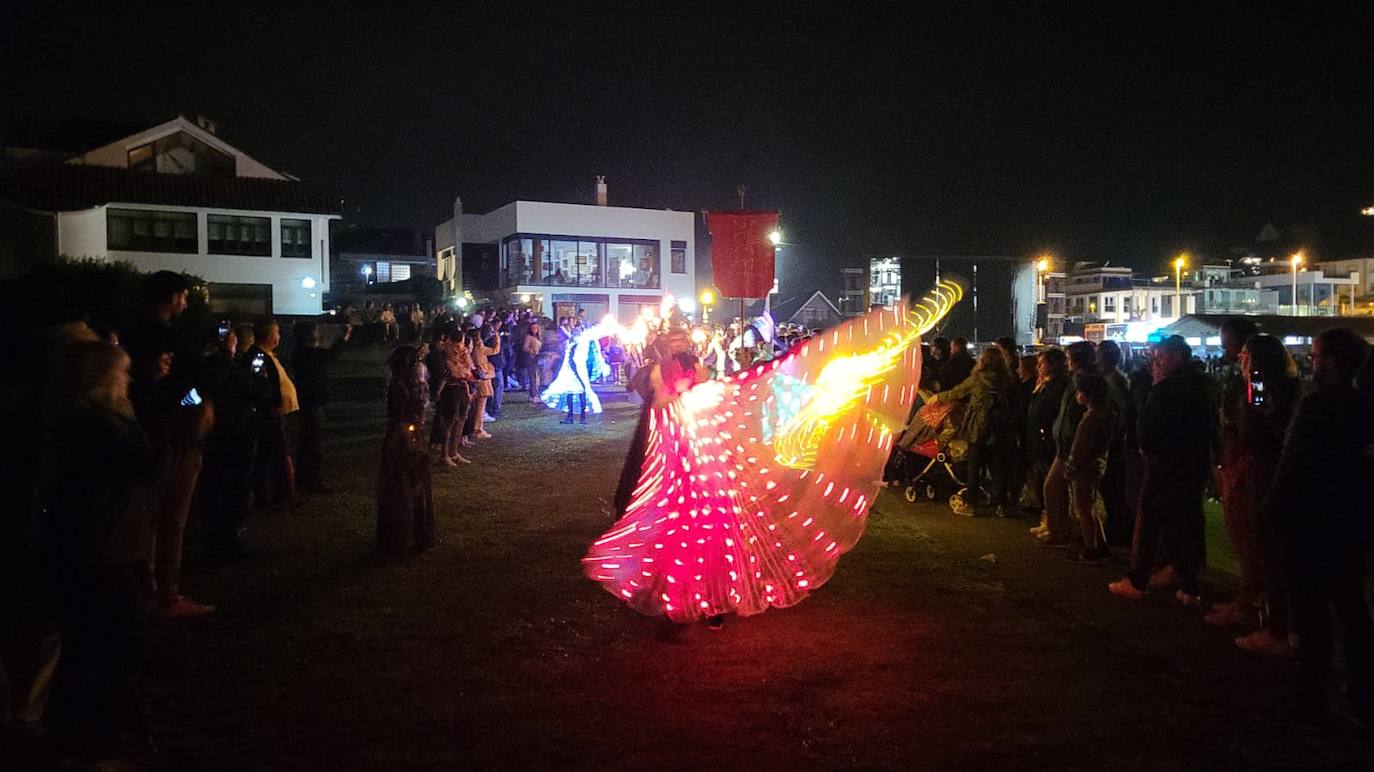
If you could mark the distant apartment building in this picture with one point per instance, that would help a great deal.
(172, 197)
(854, 291)
(884, 281)
(564, 258)
(1361, 271)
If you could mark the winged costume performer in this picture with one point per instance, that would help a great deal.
(752, 486)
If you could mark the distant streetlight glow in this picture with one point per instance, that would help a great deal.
(1368, 211)
(707, 297)
(1179, 263)
(1296, 261)
(775, 237)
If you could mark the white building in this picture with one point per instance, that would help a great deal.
(1361, 270)
(176, 197)
(884, 281)
(562, 258)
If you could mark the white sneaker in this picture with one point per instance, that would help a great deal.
(1263, 642)
(486, 417)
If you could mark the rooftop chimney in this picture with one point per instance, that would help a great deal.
(600, 190)
(207, 124)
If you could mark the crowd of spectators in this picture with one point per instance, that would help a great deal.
(114, 435)
(1108, 459)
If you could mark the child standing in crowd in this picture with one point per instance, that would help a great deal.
(1086, 464)
(405, 504)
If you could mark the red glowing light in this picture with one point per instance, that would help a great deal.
(788, 556)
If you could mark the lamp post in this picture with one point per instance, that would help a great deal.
(1179, 263)
(1042, 266)
(1296, 261)
(707, 298)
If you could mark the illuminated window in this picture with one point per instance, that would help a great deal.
(400, 271)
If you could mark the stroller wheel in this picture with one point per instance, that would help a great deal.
(931, 492)
(910, 493)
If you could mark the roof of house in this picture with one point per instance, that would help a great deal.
(57, 187)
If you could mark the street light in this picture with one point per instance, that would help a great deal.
(775, 238)
(1296, 261)
(1042, 266)
(1179, 263)
(707, 299)
(1368, 211)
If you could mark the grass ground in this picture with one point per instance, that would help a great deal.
(493, 651)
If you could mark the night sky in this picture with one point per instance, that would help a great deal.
(1100, 131)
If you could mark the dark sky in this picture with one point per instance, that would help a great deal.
(1121, 131)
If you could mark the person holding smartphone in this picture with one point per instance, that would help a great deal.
(273, 472)
(1252, 430)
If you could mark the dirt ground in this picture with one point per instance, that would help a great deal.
(493, 651)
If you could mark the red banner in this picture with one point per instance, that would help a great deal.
(741, 252)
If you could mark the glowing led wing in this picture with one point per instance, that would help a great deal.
(753, 486)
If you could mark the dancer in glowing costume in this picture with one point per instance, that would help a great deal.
(753, 486)
(582, 364)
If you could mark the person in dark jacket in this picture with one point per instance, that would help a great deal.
(987, 428)
(1120, 515)
(274, 475)
(227, 481)
(493, 338)
(166, 367)
(94, 521)
(1253, 422)
(1052, 371)
(1323, 520)
(310, 372)
(958, 367)
(405, 504)
(1060, 530)
(1087, 462)
(1174, 430)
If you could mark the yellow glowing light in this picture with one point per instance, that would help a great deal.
(775, 238)
(698, 336)
(845, 380)
(524, 297)
(1043, 265)
(707, 297)
(1297, 259)
(1180, 262)
(1368, 211)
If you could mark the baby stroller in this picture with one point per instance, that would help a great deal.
(926, 456)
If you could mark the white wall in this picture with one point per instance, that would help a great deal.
(83, 234)
(662, 225)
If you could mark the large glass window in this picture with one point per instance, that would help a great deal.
(143, 230)
(181, 153)
(678, 261)
(295, 238)
(234, 235)
(563, 261)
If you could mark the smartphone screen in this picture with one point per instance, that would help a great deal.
(191, 399)
(258, 362)
(223, 330)
(1256, 389)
